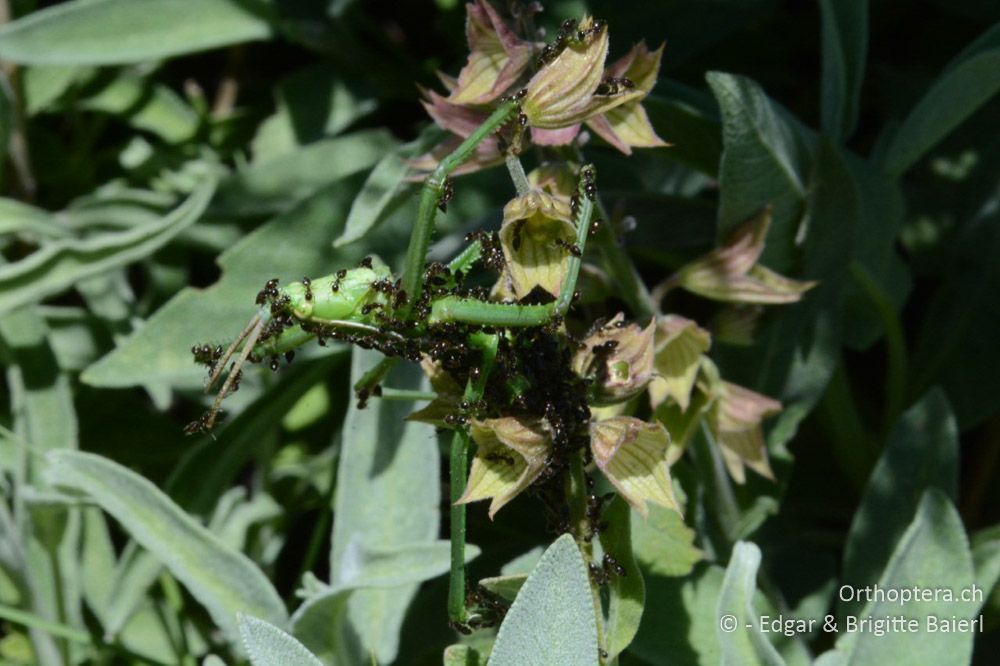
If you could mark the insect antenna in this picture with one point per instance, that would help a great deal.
(220, 365)
(250, 335)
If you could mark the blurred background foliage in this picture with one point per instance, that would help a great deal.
(165, 158)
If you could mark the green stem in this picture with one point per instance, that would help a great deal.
(585, 214)
(406, 394)
(457, 472)
(895, 388)
(517, 174)
(576, 489)
(416, 253)
(466, 257)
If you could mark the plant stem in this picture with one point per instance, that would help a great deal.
(895, 386)
(577, 492)
(517, 174)
(416, 253)
(459, 463)
(456, 584)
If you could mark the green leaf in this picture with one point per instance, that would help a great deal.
(284, 180)
(552, 621)
(40, 391)
(663, 543)
(313, 103)
(763, 161)
(385, 188)
(44, 84)
(407, 563)
(387, 496)
(506, 586)
(681, 117)
(463, 655)
(268, 645)
(116, 32)
(932, 553)
(291, 245)
(59, 265)
(224, 580)
(740, 634)
(627, 594)
(953, 349)
(967, 83)
(151, 107)
(845, 48)
(319, 621)
(27, 221)
(922, 453)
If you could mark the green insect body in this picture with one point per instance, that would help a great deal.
(333, 298)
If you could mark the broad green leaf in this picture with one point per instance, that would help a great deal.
(291, 245)
(151, 107)
(663, 543)
(136, 573)
(281, 182)
(407, 563)
(506, 586)
(681, 116)
(463, 655)
(967, 83)
(267, 645)
(58, 265)
(385, 188)
(313, 103)
(953, 349)
(44, 84)
(845, 48)
(922, 453)
(387, 495)
(97, 562)
(206, 470)
(740, 635)
(319, 621)
(552, 621)
(223, 580)
(986, 557)
(763, 162)
(116, 32)
(41, 394)
(932, 553)
(627, 594)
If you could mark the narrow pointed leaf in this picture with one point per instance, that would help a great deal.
(116, 32)
(224, 580)
(59, 265)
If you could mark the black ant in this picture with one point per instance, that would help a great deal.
(447, 192)
(614, 85)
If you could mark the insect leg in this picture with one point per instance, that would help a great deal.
(434, 186)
